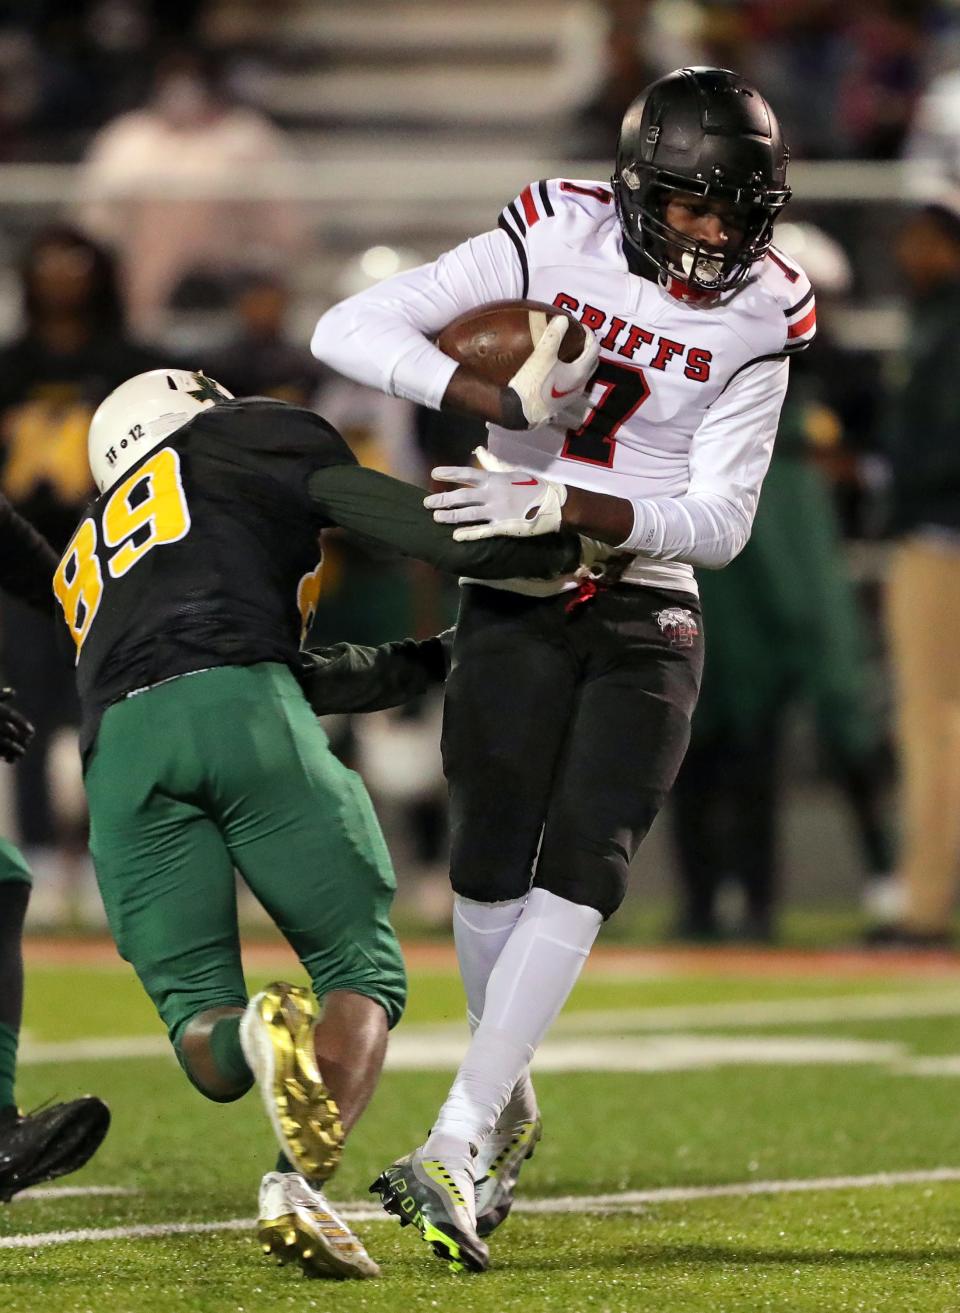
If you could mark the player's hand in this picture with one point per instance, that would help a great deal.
(497, 501)
(15, 730)
(544, 386)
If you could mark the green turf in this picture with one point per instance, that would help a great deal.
(890, 1248)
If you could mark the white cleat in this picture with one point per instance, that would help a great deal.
(499, 1160)
(297, 1224)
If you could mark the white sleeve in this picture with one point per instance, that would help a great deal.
(380, 336)
(710, 523)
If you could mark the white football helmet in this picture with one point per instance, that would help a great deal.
(141, 413)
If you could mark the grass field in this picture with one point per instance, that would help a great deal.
(740, 1132)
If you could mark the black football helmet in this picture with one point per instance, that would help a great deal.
(706, 131)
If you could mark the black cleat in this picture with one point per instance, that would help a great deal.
(52, 1142)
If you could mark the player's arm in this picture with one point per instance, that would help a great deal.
(348, 678)
(27, 561)
(383, 337)
(390, 513)
(707, 526)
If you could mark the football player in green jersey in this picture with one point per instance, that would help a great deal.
(187, 589)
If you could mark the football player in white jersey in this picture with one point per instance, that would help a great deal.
(568, 706)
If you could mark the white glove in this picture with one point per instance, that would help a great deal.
(512, 503)
(545, 386)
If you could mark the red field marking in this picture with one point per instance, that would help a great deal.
(611, 960)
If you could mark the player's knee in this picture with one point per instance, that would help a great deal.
(595, 878)
(483, 883)
(211, 1084)
(602, 888)
(586, 859)
(490, 861)
(375, 970)
(208, 1050)
(218, 1092)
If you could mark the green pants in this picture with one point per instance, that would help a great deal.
(13, 864)
(222, 770)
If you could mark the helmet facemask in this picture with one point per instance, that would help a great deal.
(642, 192)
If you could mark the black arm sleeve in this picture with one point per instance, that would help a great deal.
(392, 514)
(347, 678)
(27, 560)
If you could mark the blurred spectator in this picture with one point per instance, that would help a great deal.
(923, 594)
(785, 626)
(932, 147)
(44, 97)
(139, 172)
(73, 350)
(844, 78)
(644, 40)
(67, 66)
(260, 358)
(627, 69)
(879, 89)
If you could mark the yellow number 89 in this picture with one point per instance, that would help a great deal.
(147, 509)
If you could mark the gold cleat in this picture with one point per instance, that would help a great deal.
(298, 1225)
(276, 1033)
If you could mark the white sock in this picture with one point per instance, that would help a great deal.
(521, 1106)
(480, 931)
(535, 972)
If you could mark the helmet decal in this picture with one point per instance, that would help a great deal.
(207, 389)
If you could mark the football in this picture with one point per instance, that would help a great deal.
(495, 339)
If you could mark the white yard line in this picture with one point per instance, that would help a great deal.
(71, 1192)
(764, 1012)
(624, 1201)
(411, 1041)
(628, 1200)
(90, 1235)
(101, 1049)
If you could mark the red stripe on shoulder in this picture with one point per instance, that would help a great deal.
(598, 193)
(792, 274)
(530, 211)
(803, 325)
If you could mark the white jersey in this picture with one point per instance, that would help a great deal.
(687, 395)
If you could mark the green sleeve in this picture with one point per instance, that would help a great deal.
(392, 514)
(347, 678)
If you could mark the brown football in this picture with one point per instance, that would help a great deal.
(495, 339)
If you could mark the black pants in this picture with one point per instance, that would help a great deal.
(564, 729)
